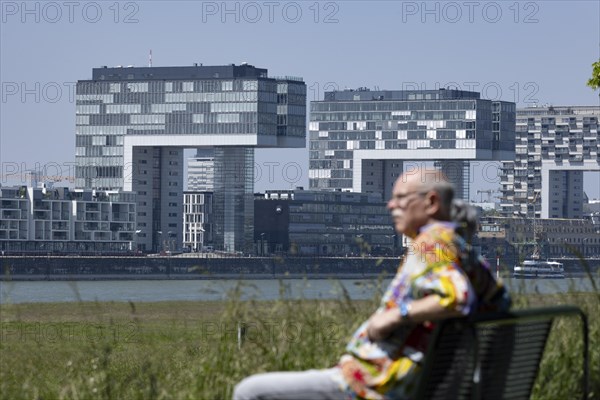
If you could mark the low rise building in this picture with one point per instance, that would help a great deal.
(513, 238)
(318, 223)
(60, 220)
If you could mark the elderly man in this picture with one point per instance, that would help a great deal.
(440, 277)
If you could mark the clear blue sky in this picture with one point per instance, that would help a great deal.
(517, 51)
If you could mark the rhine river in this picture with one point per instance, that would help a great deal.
(216, 290)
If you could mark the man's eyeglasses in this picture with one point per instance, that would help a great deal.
(404, 199)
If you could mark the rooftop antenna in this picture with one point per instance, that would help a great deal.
(150, 58)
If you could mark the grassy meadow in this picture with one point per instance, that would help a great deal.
(190, 350)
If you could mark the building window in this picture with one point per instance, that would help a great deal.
(227, 86)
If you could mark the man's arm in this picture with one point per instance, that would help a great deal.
(382, 324)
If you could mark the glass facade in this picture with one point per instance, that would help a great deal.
(155, 108)
(201, 172)
(401, 120)
(233, 206)
(113, 110)
(326, 223)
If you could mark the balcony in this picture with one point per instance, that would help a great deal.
(91, 216)
(576, 158)
(60, 226)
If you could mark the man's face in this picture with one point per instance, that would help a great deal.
(408, 206)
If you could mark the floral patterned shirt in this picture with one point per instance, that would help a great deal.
(432, 265)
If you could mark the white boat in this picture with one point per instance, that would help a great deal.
(539, 269)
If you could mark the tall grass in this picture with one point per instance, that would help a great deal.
(191, 350)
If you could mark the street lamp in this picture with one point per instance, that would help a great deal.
(359, 242)
(566, 248)
(393, 237)
(584, 246)
(323, 246)
(262, 244)
(158, 245)
(199, 238)
(137, 245)
(170, 241)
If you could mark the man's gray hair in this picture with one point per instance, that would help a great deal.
(465, 217)
(456, 210)
(436, 181)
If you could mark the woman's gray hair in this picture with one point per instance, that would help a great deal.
(465, 217)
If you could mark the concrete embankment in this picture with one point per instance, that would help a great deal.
(28, 268)
(110, 268)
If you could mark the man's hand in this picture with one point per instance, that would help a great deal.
(382, 324)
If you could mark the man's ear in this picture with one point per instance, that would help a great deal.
(432, 203)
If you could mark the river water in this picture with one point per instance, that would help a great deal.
(215, 290)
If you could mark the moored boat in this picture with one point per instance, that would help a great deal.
(539, 269)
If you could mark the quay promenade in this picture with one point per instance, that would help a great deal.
(189, 267)
(203, 266)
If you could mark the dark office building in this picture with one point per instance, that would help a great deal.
(315, 223)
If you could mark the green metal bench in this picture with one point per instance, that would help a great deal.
(492, 355)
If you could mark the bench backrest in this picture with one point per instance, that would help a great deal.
(491, 356)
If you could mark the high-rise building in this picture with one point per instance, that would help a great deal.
(553, 146)
(134, 123)
(201, 171)
(360, 139)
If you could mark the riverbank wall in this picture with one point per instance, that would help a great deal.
(115, 268)
(90, 268)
